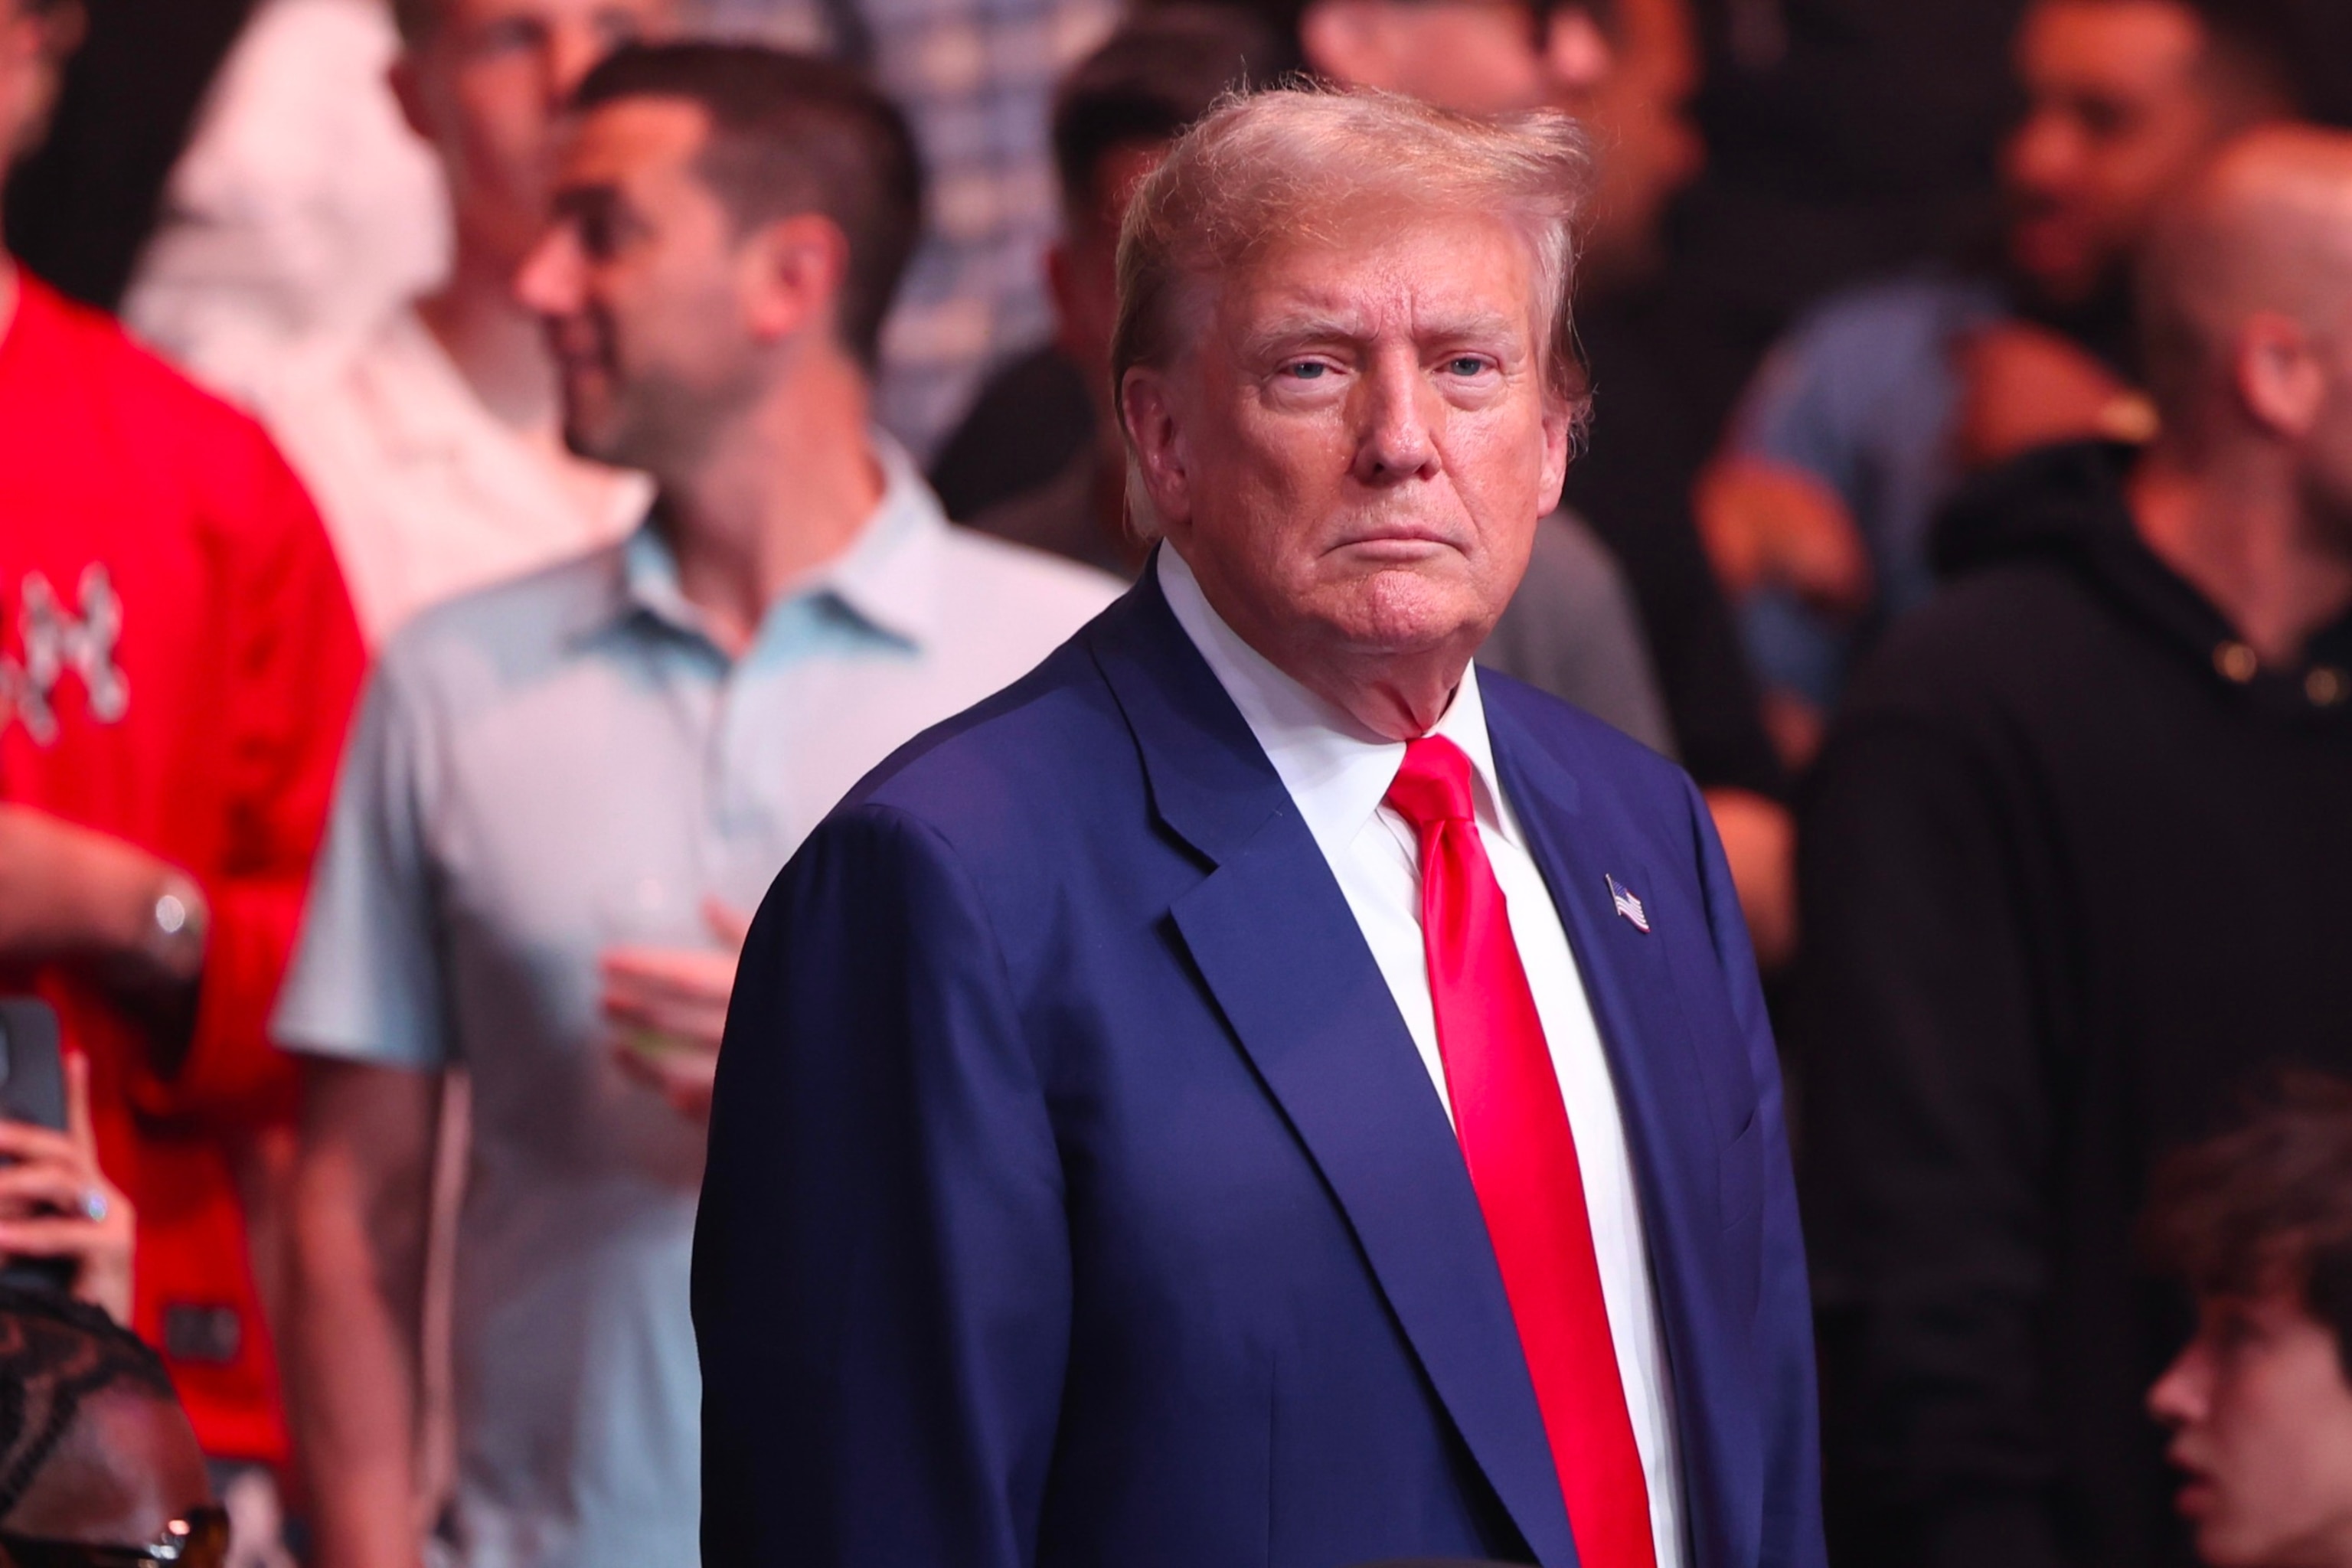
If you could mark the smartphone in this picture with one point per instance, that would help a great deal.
(33, 1089)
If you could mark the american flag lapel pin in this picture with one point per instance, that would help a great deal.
(1628, 905)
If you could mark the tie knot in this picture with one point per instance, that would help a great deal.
(1433, 785)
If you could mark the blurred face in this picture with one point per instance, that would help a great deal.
(487, 88)
(32, 52)
(2118, 114)
(1084, 268)
(1640, 114)
(1354, 458)
(2262, 1425)
(1474, 57)
(646, 289)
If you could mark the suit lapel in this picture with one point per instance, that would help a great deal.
(1280, 950)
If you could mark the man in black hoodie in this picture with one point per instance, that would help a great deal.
(2077, 863)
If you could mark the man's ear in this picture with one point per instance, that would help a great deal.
(795, 268)
(1155, 429)
(1560, 442)
(1345, 40)
(2278, 373)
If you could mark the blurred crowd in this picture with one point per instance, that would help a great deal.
(475, 483)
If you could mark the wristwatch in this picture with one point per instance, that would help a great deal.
(177, 921)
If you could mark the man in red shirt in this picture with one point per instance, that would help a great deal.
(177, 661)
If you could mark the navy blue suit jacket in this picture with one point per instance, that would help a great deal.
(1076, 1194)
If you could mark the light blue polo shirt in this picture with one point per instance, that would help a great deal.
(539, 771)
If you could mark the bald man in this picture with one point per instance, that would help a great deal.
(2078, 864)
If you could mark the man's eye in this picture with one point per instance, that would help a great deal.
(599, 235)
(1466, 365)
(507, 35)
(1305, 370)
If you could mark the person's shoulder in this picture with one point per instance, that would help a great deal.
(1912, 307)
(1569, 567)
(1025, 765)
(1987, 648)
(1003, 600)
(1029, 577)
(491, 639)
(151, 399)
(1573, 740)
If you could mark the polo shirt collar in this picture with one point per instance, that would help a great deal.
(889, 581)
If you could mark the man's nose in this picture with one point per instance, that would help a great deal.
(572, 51)
(2178, 1397)
(548, 282)
(1398, 408)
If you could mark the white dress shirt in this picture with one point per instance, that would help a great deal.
(1336, 774)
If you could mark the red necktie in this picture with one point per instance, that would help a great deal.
(1515, 1136)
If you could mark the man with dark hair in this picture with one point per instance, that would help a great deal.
(97, 1460)
(177, 658)
(2258, 1223)
(1879, 404)
(791, 135)
(564, 791)
(2075, 865)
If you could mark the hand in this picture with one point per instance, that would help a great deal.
(1769, 524)
(55, 1203)
(1760, 844)
(68, 892)
(2025, 387)
(670, 1006)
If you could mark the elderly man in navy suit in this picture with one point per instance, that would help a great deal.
(1260, 1090)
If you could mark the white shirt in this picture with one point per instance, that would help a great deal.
(1336, 774)
(425, 494)
(304, 209)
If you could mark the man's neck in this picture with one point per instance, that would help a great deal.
(2237, 529)
(781, 490)
(498, 346)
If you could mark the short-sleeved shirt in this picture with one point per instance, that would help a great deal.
(1863, 396)
(543, 769)
(177, 661)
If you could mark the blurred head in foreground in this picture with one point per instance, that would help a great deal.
(97, 1463)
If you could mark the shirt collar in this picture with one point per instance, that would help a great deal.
(1336, 770)
(890, 580)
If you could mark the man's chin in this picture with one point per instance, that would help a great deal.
(1406, 610)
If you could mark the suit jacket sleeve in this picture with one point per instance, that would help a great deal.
(881, 1272)
(1789, 1411)
(1928, 1134)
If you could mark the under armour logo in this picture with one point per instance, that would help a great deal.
(53, 640)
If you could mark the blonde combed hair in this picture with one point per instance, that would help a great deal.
(1305, 162)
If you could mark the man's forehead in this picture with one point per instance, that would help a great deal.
(1452, 267)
